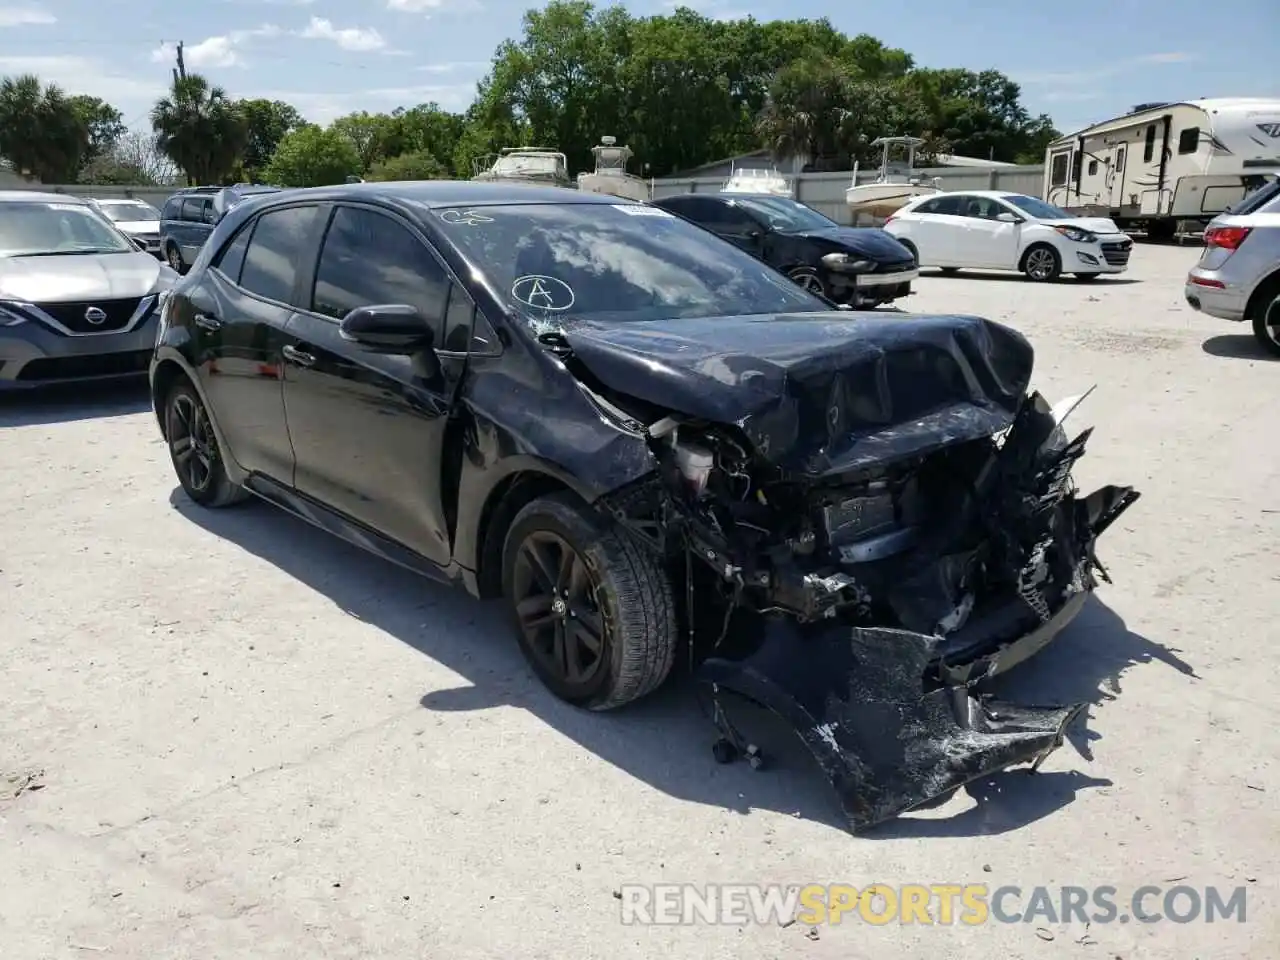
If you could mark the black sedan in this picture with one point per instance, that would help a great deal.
(856, 266)
(633, 430)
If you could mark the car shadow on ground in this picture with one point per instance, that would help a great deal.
(66, 403)
(665, 740)
(1011, 277)
(1237, 346)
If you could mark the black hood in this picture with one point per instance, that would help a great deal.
(870, 242)
(819, 393)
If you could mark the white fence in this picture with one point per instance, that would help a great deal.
(825, 191)
(156, 196)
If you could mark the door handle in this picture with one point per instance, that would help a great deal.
(207, 321)
(294, 355)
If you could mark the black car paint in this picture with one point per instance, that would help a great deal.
(787, 250)
(422, 459)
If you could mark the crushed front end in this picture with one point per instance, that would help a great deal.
(862, 601)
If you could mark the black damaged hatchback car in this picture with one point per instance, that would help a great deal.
(650, 443)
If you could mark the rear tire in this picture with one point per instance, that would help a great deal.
(194, 451)
(1041, 263)
(1266, 323)
(593, 610)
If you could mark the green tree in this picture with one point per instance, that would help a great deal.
(266, 122)
(103, 123)
(313, 156)
(367, 133)
(425, 128)
(41, 134)
(200, 129)
(417, 165)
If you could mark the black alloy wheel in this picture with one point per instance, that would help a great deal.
(560, 617)
(193, 448)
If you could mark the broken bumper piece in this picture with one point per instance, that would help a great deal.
(889, 736)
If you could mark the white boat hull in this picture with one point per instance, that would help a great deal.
(627, 187)
(882, 199)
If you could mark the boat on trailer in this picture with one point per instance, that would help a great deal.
(893, 187)
(758, 180)
(530, 165)
(610, 175)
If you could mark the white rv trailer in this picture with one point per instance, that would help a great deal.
(1166, 162)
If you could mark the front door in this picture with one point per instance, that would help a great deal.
(987, 242)
(937, 230)
(241, 310)
(368, 428)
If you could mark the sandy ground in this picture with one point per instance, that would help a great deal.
(226, 735)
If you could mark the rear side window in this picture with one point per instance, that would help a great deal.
(271, 262)
(172, 208)
(368, 259)
(191, 209)
(948, 205)
(231, 259)
(1189, 140)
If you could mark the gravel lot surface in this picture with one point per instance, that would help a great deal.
(227, 735)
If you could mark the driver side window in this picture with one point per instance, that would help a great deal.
(404, 270)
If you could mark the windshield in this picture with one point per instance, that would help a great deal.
(615, 262)
(1038, 208)
(30, 229)
(130, 212)
(785, 214)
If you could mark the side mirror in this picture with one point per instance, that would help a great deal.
(1007, 217)
(388, 328)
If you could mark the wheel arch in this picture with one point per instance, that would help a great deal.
(1269, 286)
(1040, 242)
(523, 483)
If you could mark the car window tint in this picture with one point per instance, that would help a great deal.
(191, 208)
(947, 206)
(457, 321)
(231, 258)
(368, 258)
(172, 207)
(271, 262)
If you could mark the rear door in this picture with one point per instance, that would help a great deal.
(937, 230)
(368, 428)
(242, 307)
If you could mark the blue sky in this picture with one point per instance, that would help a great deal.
(1078, 62)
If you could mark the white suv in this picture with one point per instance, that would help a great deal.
(1238, 276)
(995, 230)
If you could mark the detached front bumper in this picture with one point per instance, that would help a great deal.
(889, 712)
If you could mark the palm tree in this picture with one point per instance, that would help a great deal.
(200, 129)
(41, 134)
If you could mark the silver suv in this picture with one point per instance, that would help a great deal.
(1238, 276)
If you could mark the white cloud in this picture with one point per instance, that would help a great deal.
(458, 66)
(25, 16)
(221, 51)
(360, 39)
(414, 6)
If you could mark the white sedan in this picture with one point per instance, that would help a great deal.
(995, 230)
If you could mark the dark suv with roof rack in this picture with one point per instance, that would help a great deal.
(190, 215)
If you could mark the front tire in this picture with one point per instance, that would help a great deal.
(1041, 263)
(1266, 324)
(1086, 277)
(808, 278)
(593, 610)
(194, 451)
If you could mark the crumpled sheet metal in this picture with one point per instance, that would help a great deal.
(858, 699)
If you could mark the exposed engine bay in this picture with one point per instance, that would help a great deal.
(869, 518)
(942, 569)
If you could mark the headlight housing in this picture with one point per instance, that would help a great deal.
(1077, 235)
(847, 261)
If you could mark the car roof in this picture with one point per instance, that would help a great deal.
(131, 200)
(447, 193)
(996, 194)
(40, 196)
